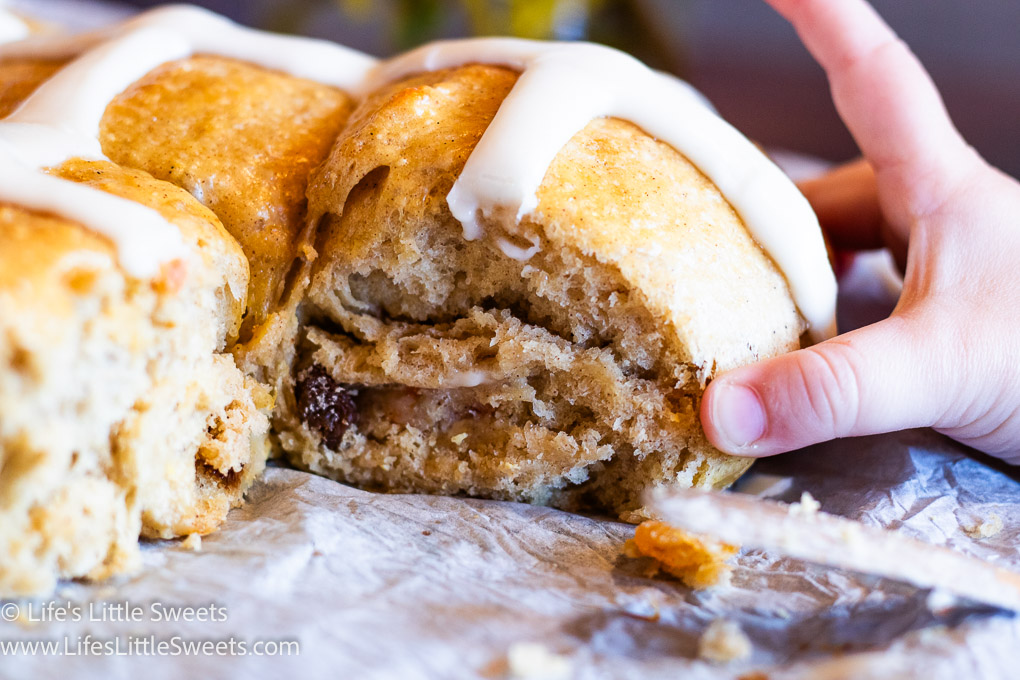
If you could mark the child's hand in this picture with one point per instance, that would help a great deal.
(949, 355)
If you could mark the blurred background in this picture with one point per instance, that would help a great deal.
(738, 52)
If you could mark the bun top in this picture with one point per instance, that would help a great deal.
(562, 87)
(61, 119)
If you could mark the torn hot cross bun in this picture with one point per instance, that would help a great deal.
(554, 355)
(121, 413)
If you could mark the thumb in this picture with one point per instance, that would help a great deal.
(880, 378)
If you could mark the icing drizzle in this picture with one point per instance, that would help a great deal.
(577, 81)
(60, 120)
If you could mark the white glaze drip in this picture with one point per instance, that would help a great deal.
(562, 87)
(516, 252)
(61, 119)
(11, 27)
(144, 240)
(577, 81)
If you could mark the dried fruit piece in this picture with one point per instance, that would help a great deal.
(325, 405)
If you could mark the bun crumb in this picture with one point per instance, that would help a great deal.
(724, 642)
(699, 561)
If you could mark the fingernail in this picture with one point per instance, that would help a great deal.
(738, 415)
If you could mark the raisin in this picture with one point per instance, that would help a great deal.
(325, 405)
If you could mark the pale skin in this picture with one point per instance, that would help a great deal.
(948, 357)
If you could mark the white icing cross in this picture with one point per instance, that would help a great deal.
(60, 120)
(562, 87)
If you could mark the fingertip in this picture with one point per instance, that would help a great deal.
(734, 418)
(784, 403)
(867, 381)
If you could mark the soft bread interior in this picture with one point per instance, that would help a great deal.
(429, 362)
(121, 414)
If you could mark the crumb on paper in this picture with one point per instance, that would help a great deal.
(193, 543)
(986, 528)
(850, 533)
(534, 661)
(723, 642)
(807, 507)
(698, 561)
(939, 601)
(458, 439)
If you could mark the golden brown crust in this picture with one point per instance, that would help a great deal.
(635, 203)
(421, 131)
(242, 140)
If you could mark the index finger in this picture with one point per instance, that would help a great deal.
(886, 99)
